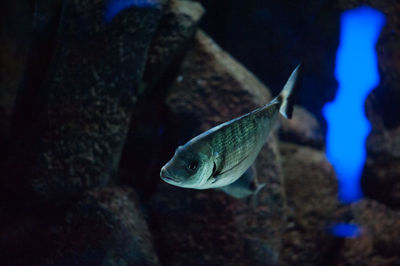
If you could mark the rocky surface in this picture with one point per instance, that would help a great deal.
(29, 33)
(45, 23)
(379, 241)
(144, 141)
(15, 30)
(302, 129)
(381, 177)
(215, 228)
(311, 196)
(106, 227)
(197, 84)
(85, 115)
(177, 27)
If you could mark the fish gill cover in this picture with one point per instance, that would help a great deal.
(357, 74)
(113, 7)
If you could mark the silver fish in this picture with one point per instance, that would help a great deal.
(220, 155)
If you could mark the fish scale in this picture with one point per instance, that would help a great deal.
(240, 137)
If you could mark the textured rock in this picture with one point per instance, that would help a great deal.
(90, 93)
(106, 227)
(176, 29)
(199, 84)
(208, 227)
(311, 195)
(140, 159)
(196, 227)
(380, 233)
(24, 236)
(302, 129)
(17, 154)
(381, 176)
(42, 40)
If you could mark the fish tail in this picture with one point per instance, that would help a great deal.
(285, 97)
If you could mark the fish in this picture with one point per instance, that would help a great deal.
(221, 155)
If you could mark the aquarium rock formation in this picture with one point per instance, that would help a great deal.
(105, 227)
(16, 29)
(311, 197)
(378, 242)
(303, 129)
(92, 105)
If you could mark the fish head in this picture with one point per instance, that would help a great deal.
(190, 167)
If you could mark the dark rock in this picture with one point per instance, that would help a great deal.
(15, 32)
(208, 227)
(302, 129)
(140, 159)
(196, 227)
(311, 195)
(381, 175)
(106, 227)
(89, 96)
(20, 146)
(208, 75)
(24, 236)
(176, 29)
(380, 233)
(42, 42)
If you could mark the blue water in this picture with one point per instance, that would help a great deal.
(357, 74)
(345, 230)
(114, 7)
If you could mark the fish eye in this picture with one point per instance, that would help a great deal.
(193, 165)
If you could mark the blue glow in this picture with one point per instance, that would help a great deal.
(357, 74)
(345, 230)
(113, 7)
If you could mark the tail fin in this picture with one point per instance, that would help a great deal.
(285, 98)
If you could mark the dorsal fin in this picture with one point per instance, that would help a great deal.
(285, 97)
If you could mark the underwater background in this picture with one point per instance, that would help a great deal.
(95, 96)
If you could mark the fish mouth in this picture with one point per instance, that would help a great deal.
(167, 177)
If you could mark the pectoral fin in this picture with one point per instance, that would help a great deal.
(244, 186)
